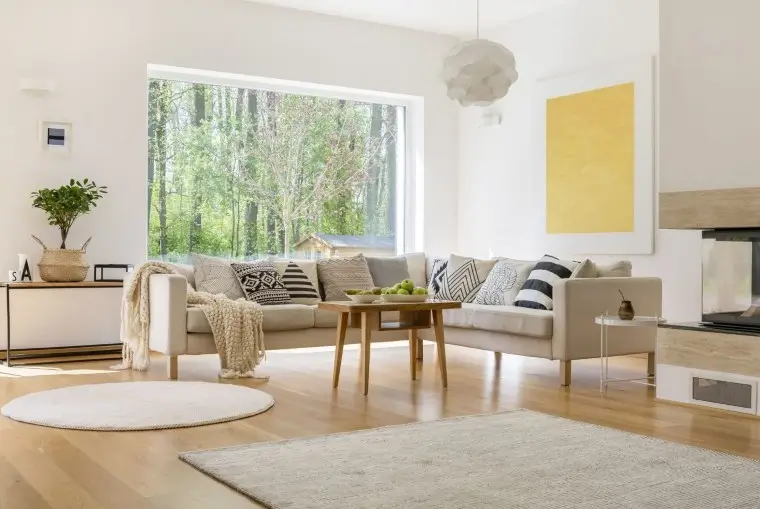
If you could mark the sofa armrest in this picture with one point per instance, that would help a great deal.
(578, 301)
(168, 313)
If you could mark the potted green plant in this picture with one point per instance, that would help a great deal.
(63, 206)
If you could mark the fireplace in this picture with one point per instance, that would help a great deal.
(731, 278)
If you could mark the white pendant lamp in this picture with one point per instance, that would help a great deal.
(479, 71)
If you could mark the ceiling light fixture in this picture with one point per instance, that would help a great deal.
(479, 71)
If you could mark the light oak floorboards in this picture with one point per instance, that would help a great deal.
(45, 468)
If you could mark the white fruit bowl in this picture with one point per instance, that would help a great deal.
(364, 299)
(392, 297)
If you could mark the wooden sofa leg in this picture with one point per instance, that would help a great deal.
(650, 364)
(419, 349)
(172, 366)
(565, 372)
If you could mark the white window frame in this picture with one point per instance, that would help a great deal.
(409, 189)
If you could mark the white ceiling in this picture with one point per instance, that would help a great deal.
(451, 17)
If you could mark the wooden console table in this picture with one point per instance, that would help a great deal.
(95, 351)
(412, 316)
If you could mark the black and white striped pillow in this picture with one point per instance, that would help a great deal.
(298, 284)
(537, 291)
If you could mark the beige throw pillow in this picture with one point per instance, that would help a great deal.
(340, 274)
(621, 268)
(215, 275)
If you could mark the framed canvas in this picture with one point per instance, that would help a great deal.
(595, 157)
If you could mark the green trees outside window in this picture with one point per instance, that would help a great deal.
(245, 173)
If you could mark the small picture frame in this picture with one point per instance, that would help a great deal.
(55, 136)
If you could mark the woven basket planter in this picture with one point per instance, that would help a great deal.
(63, 265)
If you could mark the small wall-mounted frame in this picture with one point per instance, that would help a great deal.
(55, 136)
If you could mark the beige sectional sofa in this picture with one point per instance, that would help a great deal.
(565, 333)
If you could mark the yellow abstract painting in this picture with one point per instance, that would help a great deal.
(590, 161)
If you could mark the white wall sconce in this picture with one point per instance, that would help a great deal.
(36, 85)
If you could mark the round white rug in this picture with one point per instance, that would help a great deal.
(129, 406)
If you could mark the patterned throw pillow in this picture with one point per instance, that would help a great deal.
(464, 278)
(503, 282)
(300, 279)
(261, 282)
(340, 274)
(437, 273)
(538, 290)
(214, 276)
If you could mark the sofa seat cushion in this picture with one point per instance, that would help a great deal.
(278, 317)
(461, 317)
(324, 319)
(537, 323)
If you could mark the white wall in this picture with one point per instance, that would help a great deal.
(97, 52)
(709, 126)
(498, 193)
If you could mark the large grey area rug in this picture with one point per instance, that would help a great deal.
(518, 459)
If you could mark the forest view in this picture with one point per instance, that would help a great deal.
(245, 173)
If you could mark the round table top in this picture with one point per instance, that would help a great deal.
(638, 321)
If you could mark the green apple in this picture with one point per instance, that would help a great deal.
(384, 291)
(377, 290)
(392, 291)
(408, 285)
(419, 291)
(352, 292)
(403, 291)
(397, 286)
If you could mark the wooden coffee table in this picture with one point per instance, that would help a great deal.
(367, 317)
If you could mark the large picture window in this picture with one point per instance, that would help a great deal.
(246, 173)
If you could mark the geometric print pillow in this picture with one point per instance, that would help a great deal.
(215, 276)
(299, 285)
(503, 282)
(261, 282)
(437, 273)
(464, 278)
(538, 291)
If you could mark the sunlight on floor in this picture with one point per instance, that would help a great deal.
(355, 346)
(25, 371)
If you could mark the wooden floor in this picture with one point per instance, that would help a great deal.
(44, 468)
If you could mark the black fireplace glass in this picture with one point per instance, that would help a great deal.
(731, 278)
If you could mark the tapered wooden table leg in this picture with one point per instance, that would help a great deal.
(440, 344)
(339, 342)
(366, 336)
(419, 349)
(413, 354)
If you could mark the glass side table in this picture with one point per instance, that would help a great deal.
(605, 322)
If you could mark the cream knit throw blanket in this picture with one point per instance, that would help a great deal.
(235, 324)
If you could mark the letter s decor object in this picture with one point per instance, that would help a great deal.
(12, 276)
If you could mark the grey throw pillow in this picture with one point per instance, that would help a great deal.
(388, 271)
(340, 274)
(215, 275)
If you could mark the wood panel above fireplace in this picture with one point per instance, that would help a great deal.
(716, 208)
